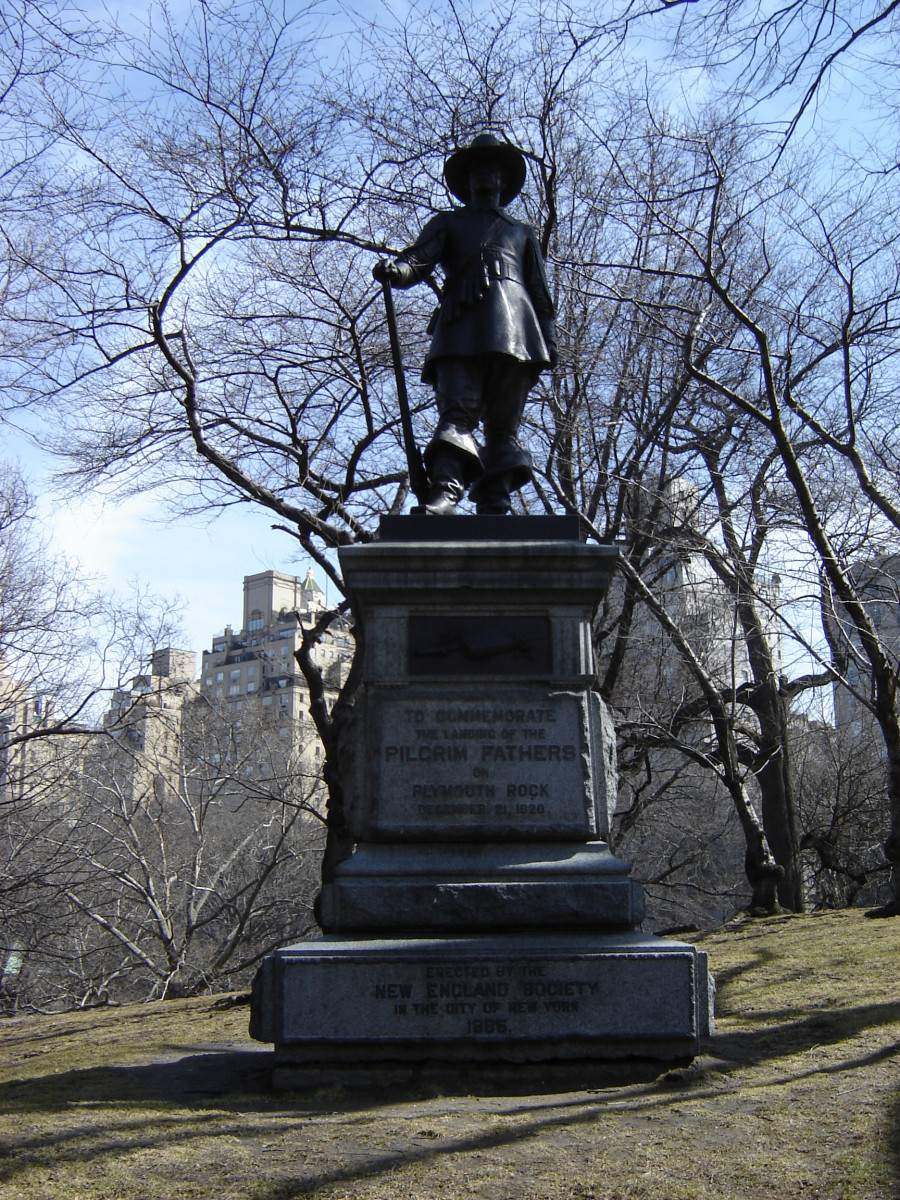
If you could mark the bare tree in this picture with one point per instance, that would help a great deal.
(185, 847)
(213, 271)
(844, 812)
(802, 52)
(796, 331)
(63, 648)
(55, 633)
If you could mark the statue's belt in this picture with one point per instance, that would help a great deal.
(493, 262)
(461, 291)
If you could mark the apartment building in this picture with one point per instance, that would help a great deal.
(254, 670)
(248, 712)
(21, 713)
(877, 581)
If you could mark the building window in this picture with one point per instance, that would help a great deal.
(256, 621)
(236, 674)
(234, 689)
(251, 686)
(220, 675)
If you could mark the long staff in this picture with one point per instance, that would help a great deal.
(418, 479)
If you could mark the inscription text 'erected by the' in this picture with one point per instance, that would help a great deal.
(498, 999)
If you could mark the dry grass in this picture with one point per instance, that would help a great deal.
(798, 1095)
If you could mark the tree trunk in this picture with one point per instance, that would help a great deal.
(779, 814)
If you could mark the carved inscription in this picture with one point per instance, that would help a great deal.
(558, 998)
(485, 764)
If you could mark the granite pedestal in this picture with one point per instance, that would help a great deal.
(482, 917)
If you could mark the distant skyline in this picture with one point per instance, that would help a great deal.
(120, 541)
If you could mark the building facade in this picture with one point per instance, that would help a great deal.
(877, 582)
(248, 712)
(253, 672)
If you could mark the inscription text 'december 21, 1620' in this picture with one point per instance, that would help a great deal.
(520, 761)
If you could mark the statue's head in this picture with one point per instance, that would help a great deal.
(486, 163)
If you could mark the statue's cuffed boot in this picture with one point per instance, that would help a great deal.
(443, 498)
(447, 487)
(493, 498)
(452, 460)
(507, 468)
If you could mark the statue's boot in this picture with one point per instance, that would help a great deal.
(507, 467)
(447, 487)
(493, 498)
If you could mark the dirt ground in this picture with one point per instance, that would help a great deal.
(796, 1095)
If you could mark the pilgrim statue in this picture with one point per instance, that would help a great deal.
(493, 333)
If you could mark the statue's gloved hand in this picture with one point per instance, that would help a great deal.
(386, 271)
(553, 356)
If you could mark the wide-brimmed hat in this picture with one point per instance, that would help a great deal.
(486, 147)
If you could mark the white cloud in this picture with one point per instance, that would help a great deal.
(119, 542)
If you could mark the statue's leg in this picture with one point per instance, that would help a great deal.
(507, 466)
(452, 457)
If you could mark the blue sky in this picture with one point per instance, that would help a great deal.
(122, 541)
(133, 540)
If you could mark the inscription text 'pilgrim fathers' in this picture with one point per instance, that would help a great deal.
(477, 764)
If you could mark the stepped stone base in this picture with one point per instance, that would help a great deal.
(468, 888)
(481, 925)
(522, 998)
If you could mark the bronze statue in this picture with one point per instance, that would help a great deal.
(493, 333)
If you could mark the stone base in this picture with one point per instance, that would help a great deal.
(418, 527)
(467, 888)
(459, 1077)
(522, 998)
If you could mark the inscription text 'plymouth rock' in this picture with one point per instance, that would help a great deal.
(482, 763)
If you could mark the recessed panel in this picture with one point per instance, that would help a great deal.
(474, 645)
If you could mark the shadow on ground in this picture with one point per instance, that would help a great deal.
(781, 1035)
(194, 1080)
(198, 1095)
(241, 1078)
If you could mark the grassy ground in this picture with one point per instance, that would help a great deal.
(797, 1095)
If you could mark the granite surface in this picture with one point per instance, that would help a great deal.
(530, 996)
(481, 916)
